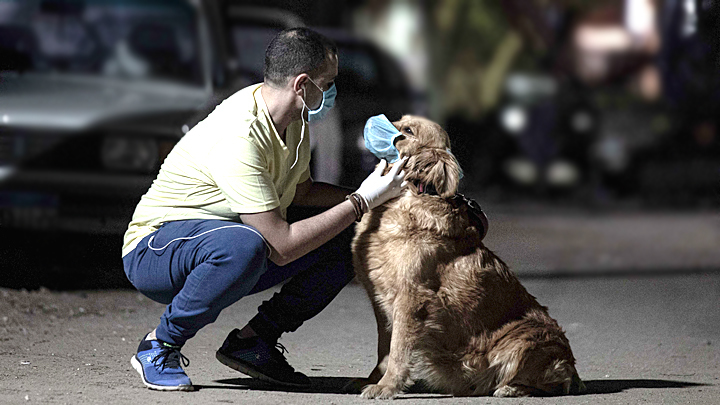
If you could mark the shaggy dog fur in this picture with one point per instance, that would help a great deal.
(449, 312)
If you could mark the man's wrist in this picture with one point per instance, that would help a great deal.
(363, 202)
(358, 204)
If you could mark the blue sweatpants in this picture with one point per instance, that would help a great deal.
(216, 263)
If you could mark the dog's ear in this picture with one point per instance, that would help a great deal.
(436, 167)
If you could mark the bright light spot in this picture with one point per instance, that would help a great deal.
(514, 119)
(582, 121)
(562, 173)
(6, 172)
(521, 170)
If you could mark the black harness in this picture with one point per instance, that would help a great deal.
(475, 212)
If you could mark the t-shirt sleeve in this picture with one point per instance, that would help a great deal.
(240, 170)
(305, 175)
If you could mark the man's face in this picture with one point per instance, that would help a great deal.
(324, 80)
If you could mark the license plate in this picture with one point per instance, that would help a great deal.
(25, 200)
(28, 210)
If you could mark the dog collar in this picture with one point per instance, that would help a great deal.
(475, 212)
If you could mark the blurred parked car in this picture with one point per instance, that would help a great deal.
(95, 93)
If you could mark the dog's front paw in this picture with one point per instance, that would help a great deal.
(378, 391)
(507, 391)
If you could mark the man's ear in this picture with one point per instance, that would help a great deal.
(299, 83)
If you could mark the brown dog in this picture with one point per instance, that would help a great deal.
(449, 312)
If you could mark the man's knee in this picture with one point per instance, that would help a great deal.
(241, 248)
(246, 241)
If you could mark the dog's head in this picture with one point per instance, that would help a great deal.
(430, 164)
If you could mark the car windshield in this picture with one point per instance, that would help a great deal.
(132, 39)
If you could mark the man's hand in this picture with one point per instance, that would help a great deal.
(376, 188)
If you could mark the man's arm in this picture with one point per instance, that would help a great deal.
(292, 241)
(317, 194)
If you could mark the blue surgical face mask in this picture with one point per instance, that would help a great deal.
(317, 114)
(380, 135)
(328, 102)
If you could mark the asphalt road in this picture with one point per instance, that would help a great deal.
(636, 292)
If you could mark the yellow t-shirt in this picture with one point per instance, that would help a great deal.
(232, 162)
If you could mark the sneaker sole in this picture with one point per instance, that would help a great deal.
(139, 368)
(245, 368)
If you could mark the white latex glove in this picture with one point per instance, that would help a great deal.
(376, 188)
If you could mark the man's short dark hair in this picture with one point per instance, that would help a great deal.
(295, 51)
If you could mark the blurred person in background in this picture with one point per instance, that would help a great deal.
(654, 43)
(619, 38)
(557, 67)
(689, 63)
(502, 96)
(212, 228)
(665, 52)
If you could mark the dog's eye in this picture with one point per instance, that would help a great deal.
(408, 130)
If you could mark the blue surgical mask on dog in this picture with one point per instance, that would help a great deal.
(380, 135)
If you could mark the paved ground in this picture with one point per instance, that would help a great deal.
(539, 240)
(637, 294)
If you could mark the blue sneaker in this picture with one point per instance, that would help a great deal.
(159, 366)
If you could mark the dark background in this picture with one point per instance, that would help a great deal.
(553, 107)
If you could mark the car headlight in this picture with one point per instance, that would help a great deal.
(130, 154)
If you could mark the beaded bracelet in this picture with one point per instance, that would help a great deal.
(363, 203)
(356, 201)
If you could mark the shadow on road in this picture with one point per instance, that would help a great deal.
(615, 386)
(320, 385)
(335, 385)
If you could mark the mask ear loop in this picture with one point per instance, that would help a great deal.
(302, 134)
